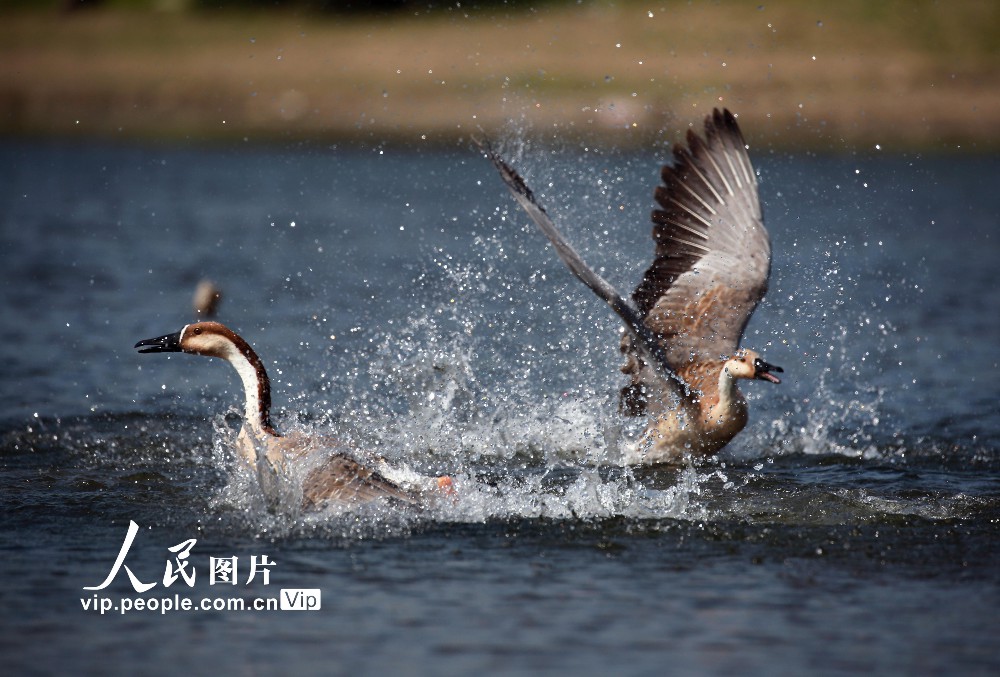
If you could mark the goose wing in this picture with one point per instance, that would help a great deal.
(342, 480)
(713, 254)
(641, 338)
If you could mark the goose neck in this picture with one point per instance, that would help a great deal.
(256, 388)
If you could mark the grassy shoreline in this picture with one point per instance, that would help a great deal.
(802, 75)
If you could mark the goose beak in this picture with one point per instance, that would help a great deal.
(171, 343)
(762, 371)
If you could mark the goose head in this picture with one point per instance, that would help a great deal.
(210, 339)
(749, 365)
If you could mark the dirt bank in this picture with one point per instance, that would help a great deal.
(902, 75)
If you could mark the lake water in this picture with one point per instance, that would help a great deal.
(400, 301)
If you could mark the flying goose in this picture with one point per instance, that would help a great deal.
(338, 480)
(687, 316)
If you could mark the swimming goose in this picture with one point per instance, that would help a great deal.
(710, 270)
(206, 299)
(338, 480)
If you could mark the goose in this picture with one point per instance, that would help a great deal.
(338, 480)
(206, 299)
(687, 316)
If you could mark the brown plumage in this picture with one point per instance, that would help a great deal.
(712, 257)
(206, 299)
(711, 263)
(338, 479)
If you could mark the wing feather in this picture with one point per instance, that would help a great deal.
(342, 480)
(710, 268)
(643, 341)
(713, 255)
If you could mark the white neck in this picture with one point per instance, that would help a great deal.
(728, 392)
(251, 391)
(256, 413)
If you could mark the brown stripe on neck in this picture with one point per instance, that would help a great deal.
(263, 382)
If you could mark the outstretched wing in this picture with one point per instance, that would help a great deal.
(645, 343)
(713, 254)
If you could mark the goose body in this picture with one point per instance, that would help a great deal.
(339, 479)
(686, 318)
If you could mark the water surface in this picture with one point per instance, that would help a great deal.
(400, 301)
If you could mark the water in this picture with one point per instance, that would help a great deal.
(401, 302)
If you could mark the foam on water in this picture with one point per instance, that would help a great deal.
(515, 454)
(482, 492)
